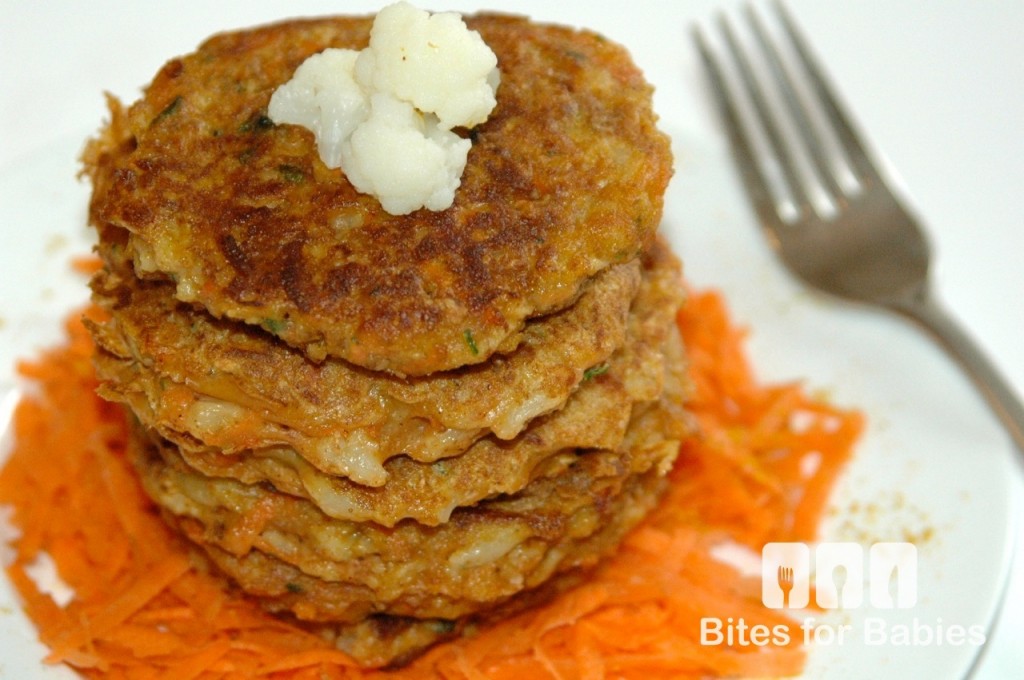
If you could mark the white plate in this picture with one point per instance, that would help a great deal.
(933, 466)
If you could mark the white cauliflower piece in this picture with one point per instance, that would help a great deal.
(385, 115)
(404, 158)
(432, 61)
(323, 97)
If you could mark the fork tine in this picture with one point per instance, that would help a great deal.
(740, 141)
(856, 152)
(814, 142)
(782, 152)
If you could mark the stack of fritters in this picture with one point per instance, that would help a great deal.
(392, 425)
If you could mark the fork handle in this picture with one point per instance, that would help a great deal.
(923, 308)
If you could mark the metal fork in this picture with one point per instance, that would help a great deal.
(867, 247)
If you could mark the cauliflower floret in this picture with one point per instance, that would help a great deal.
(404, 158)
(385, 115)
(323, 97)
(432, 61)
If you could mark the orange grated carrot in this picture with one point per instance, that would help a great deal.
(152, 580)
(86, 264)
(751, 475)
(307, 658)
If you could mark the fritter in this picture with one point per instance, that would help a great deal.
(208, 382)
(594, 417)
(383, 639)
(391, 641)
(485, 554)
(429, 492)
(563, 180)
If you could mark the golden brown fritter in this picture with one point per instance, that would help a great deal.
(386, 594)
(484, 555)
(391, 640)
(594, 417)
(565, 179)
(220, 384)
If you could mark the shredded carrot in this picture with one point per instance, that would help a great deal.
(760, 469)
(86, 264)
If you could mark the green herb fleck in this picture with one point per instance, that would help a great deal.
(594, 371)
(442, 625)
(293, 587)
(468, 335)
(623, 255)
(168, 110)
(292, 173)
(275, 326)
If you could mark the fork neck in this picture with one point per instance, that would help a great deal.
(922, 307)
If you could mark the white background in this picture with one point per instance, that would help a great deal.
(939, 84)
